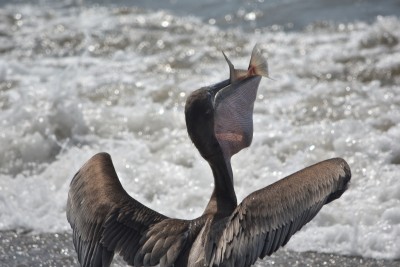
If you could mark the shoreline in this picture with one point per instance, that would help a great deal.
(23, 248)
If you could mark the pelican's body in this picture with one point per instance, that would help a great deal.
(106, 220)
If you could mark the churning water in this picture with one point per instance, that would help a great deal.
(79, 79)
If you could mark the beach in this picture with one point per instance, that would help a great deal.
(81, 77)
(56, 249)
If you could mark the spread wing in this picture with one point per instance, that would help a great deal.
(105, 219)
(267, 218)
(233, 119)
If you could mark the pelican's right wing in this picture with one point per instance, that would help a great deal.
(105, 219)
(267, 218)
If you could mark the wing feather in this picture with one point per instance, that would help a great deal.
(267, 218)
(105, 219)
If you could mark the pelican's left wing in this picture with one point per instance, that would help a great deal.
(267, 218)
(106, 220)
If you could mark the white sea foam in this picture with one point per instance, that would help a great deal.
(74, 82)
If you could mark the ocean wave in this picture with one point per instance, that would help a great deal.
(78, 80)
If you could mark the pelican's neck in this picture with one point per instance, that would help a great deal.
(223, 199)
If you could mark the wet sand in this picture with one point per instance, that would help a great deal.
(19, 248)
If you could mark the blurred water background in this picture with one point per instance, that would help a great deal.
(80, 77)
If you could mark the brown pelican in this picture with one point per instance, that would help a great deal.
(106, 220)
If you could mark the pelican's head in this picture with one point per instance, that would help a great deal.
(219, 117)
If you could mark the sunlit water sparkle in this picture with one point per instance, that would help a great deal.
(76, 81)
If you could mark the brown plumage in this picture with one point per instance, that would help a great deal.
(106, 220)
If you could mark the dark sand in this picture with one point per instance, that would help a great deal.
(18, 248)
